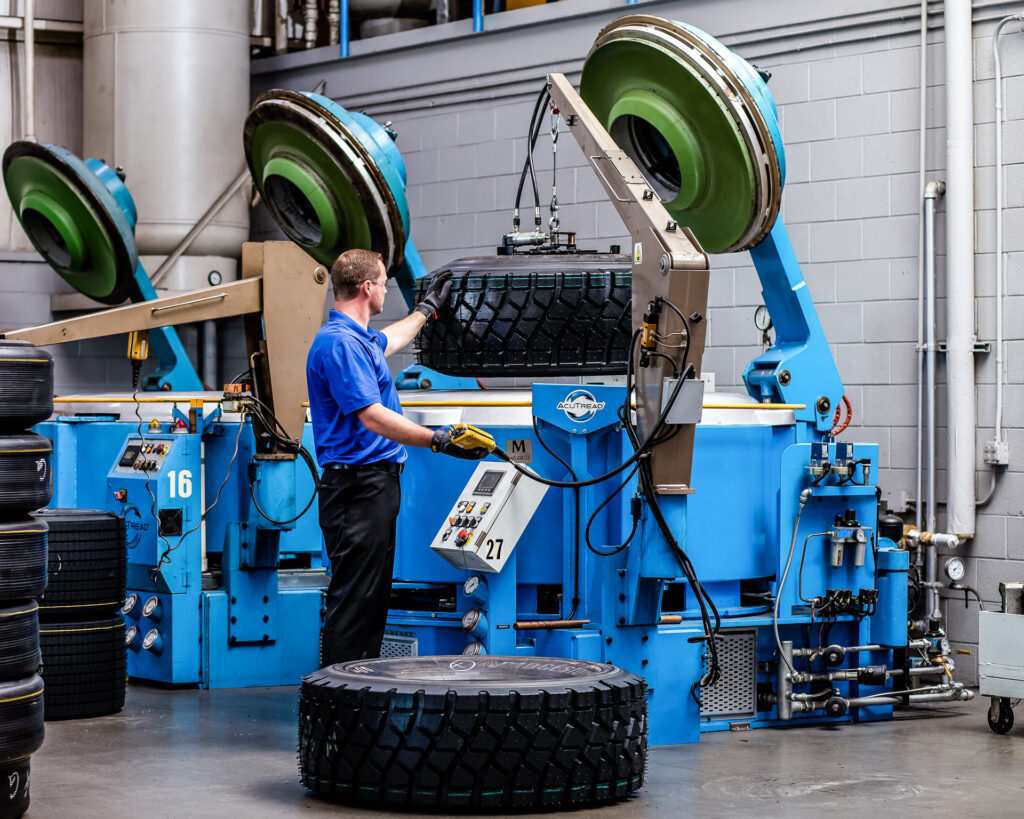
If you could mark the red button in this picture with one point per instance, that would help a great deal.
(462, 535)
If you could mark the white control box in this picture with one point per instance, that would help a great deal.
(488, 518)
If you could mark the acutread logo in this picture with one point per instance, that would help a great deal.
(580, 405)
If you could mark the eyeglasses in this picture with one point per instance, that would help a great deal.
(383, 284)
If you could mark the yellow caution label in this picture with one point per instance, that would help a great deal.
(638, 253)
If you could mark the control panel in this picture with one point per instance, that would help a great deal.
(488, 518)
(143, 455)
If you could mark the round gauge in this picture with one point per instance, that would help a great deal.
(474, 648)
(150, 606)
(130, 635)
(943, 646)
(150, 639)
(762, 321)
(955, 569)
(131, 601)
(861, 536)
(470, 619)
(471, 585)
(214, 278)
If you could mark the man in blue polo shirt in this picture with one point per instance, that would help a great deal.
(360, 436)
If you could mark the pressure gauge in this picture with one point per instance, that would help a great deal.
(955, 569)
(860, 536)
(762, 321)
(471, 585)
(214, 278)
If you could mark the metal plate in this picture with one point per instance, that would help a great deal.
(735, 694)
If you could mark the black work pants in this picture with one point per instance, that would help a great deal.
(358, 513)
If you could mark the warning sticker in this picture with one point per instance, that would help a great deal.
(638, 253)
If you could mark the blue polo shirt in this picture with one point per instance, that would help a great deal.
(346, 371)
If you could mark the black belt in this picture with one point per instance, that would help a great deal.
(376, 466)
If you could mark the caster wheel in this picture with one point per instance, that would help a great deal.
(1004, 722)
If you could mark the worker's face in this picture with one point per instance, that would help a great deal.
(378, 290)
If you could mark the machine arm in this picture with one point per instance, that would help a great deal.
(799, 368)
(668, 262)
(281, 293)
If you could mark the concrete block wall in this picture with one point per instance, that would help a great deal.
(847, 87)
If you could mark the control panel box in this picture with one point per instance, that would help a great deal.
(143, 455)
(488, 518)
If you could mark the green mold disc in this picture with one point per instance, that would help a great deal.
(677, 108)
(69, 221)
(320, 184)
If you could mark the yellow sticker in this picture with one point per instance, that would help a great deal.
(638, 253)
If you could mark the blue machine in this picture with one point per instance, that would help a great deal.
(777, 517)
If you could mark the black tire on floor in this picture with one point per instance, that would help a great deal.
(26, 385)
(22, 558)
(532, 315)
(488, 733)
(21, 718)
(14, 782)
(25, 479)
(87, 564)
(19, 641)
(84, 666)
(1003, 724)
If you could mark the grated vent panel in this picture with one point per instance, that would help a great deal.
(399, 644)
(735, 694)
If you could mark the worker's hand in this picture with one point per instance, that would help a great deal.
(436, 295)
(442, 442)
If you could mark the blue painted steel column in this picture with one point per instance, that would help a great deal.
(343, 30)
(799, 368)
(478, 15)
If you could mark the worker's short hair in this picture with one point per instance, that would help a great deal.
(351, 269)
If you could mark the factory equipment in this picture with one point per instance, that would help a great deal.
(1001, 656)
(725, 547)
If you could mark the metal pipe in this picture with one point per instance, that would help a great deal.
(806, 652)
(537, 625)
(200, 226)
(210, 354)
(670, 619)
(343, 30)
(957, 692)
(960, 295)
(932, 191)
(333, 21)
(1000, 264)
(478, 16)
(783, 684)
(922, 148)
(310, 16)
(29, 101)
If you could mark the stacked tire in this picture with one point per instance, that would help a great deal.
(82, 631)
(26, 484)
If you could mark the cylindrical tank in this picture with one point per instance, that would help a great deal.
(166, 91)
(889, 622)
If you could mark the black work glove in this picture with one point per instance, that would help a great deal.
(436, 295)
(443, 443)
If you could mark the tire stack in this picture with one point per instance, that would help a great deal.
(26, 484)
(82, 631)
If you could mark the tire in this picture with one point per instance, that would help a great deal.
(19, 642)
(25, 479)
(88, 563)
(489, 733)
(26, 386)
(21, 718)
(1004, 723)
(14, 782)
(22, 558)
(84, 666)
(532, 315)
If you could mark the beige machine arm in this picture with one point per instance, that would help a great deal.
(281, 294)
(667, 262)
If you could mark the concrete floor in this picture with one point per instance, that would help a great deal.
(231, 753)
